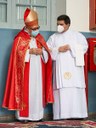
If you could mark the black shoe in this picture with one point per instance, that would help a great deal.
(24, 121)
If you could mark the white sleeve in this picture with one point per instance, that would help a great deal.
(27, 56)
(83, 42)
(53, 48)
(80, 49)
(54, 53)
(44, 55)
(73, 51)
(80, 44)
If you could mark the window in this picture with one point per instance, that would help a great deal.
(5, 13)
(3, 10)
(12, 11)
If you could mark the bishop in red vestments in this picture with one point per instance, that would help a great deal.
(29, 80)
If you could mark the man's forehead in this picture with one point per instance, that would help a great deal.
(60, 22)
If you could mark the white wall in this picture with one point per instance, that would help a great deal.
(58, 8)
(78, 11)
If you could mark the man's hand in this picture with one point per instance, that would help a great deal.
(36, 51)
(64, 48)
(39, 51)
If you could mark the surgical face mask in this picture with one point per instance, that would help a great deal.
(35, 32)
(60, 28)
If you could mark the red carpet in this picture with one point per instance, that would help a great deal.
(51, 124)
(89, 123)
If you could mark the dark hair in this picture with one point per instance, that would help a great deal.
(65, 18)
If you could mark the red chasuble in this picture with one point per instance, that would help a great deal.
(17, 84)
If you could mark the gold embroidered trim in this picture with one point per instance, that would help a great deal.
(67, 75)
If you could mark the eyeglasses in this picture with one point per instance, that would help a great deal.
(35, 28)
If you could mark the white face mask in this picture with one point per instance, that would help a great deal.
(60, 28)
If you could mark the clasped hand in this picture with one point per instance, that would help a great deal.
(64, 48)
(36, 51)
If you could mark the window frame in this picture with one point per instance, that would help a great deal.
(8, 23)
(11, 16)
(20, 25)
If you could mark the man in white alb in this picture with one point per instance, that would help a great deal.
(67, 49)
